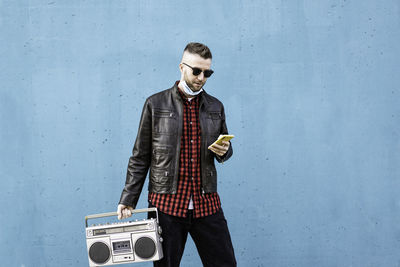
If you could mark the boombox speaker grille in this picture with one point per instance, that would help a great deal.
(145, 247)
(99, 252)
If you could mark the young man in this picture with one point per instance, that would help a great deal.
(176, 128)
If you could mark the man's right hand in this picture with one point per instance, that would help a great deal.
(124, 211)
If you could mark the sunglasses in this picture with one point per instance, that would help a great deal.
(197, 71)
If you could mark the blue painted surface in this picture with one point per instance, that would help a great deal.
(311, 90)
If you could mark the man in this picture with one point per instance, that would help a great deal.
(176, 128)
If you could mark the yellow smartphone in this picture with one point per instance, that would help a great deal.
(222, 137)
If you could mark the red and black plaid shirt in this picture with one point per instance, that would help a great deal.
(189, 180)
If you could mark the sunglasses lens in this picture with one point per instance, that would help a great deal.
(208, 73)
(196, 71)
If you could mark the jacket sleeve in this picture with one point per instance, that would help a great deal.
(224, 130)
(140, 160)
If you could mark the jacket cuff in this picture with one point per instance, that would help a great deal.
(127, 201)
(226, 156)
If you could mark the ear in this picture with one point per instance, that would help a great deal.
(181, 67)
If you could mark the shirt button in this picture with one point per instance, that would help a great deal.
(191, 141)
(192, 178)
(191, 160)
(191, 123)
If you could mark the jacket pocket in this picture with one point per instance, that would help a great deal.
(210, 180)
(214, 115)
(161, 157)
(164, 122)
(164, 113)
(214, 121)
(160, 180)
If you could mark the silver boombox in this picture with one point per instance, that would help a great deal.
(123, 242)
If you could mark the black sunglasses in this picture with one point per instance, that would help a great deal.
(197, 71)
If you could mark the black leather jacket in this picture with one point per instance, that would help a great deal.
(158, 140)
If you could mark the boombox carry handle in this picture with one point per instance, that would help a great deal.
(114, 213)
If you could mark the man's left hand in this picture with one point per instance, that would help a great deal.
(220, 150)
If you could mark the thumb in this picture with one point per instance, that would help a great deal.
(119, 211)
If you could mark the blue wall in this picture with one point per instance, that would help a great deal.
(311, 90)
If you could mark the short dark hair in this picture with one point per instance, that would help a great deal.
(199, 49)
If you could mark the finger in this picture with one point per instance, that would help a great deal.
(216, 151)
(128, 212)
(119, 212)
(124, 214)
(225, 143)
(218, 146)
(219, 152)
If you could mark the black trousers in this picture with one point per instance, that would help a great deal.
(210, 235)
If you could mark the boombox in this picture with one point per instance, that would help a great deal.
(123, 242)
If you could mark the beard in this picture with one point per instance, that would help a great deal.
(191, 85)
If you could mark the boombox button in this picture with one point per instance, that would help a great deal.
(121, 258)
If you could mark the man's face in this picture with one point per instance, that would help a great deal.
(195, 61)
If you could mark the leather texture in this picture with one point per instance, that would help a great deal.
(157, 145)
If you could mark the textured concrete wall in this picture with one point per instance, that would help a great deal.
(311, 91)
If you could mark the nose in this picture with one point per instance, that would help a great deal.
(200, 76)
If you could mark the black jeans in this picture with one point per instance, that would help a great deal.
(210, 235)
